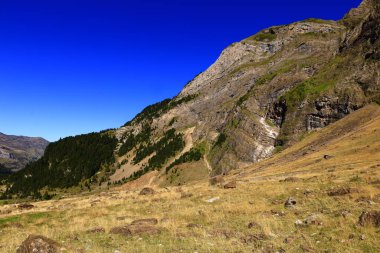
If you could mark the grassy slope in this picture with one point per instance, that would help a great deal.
(355, 144)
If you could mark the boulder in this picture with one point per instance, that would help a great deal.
(193, 225)
(341, 192)
(40, 244)
(328, 157)
(25, 206)
(290, 202)
(370, 218)
(147, 191)
(253, 224)
(121, 230)
(230, 185)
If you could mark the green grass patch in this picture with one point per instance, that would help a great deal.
(37, 216)
(308, 88)
(262, 36)
(221, 139)
(11, 219)
(194, 154)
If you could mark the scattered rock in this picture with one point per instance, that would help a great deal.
(186, 195)
(138, 227)
(151, 221)
(212, 200)
(96, 230)
(370, 218)
(230, 185)
(193, 225)
(289, 239)
(147, 191)
(216, 180)
(312, 220)
(254, 238)
(290, 202)
(278, 213)
(143, 230)
(362, 238)
(25, 206)
(341, 192)
(365, 200)
(123, 230)
(123, 217)
(40, 244)
(253, 224)
(228, 234)
(328, 157)
(345, 213)
(291, 180)
(298, 223)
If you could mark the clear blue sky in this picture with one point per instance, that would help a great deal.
(70, 67)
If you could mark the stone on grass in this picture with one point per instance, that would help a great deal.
(230, 185)
(212, 200)
(40, 244)
(340, 192)
(147, 191)
(25, 206)
(370, 218)
(290, 202)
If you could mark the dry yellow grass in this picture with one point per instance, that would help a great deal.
(259, 199)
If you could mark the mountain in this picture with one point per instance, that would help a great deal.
(18, 151)
(262, 95)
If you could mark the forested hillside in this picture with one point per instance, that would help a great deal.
(66, 163)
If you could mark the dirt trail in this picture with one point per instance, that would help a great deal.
(207, 164)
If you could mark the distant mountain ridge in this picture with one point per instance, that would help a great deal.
(17, 151)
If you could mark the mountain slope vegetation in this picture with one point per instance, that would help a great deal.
(262, 95)
(66, 163)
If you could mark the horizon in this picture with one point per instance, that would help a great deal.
(71, 68)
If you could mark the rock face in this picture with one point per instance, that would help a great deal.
(17, 151)
(270, 89)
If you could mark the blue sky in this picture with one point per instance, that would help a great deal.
(70, 67)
